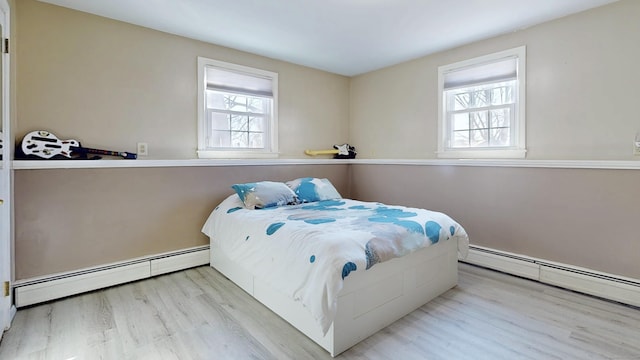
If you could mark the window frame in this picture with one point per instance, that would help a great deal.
(517, 149)
(271, 132)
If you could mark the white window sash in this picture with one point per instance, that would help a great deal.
(204, 127)
(447, 82)
(266, 133)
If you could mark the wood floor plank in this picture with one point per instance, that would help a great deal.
(281, 339)
(199, 314)
(545, 312)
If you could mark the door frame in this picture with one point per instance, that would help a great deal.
(7, 310)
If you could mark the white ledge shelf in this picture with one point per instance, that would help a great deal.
(96, 164)
(562, 164)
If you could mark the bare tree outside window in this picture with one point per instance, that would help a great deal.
(237, 121)
(481, 116)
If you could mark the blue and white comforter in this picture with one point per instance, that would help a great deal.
(305, 251)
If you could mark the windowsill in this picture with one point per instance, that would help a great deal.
(488, 154)
(212, 154)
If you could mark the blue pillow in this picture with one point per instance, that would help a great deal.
(264, 194)
(313, 189)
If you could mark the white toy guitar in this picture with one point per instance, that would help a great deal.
(46, 145)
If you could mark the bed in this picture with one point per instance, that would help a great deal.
(337, 269)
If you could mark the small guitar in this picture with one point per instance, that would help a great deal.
(46, 145)
(344, 151)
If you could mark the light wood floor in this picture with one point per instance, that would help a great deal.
(199, 314)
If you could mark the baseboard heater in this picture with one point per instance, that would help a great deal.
(592, 282)
(51, 287)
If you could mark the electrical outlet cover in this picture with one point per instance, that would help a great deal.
(143, 149)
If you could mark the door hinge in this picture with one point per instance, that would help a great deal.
(6, 45)
(6, 288)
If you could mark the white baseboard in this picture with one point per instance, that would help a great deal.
(179, 262)
(616, 290)
(58, 288)
(608, 286)
(502, 262)
(41, 289)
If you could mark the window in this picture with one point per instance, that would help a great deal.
(237, 111)
(482, 107)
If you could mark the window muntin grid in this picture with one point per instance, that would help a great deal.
(481, 116)
(237, 121)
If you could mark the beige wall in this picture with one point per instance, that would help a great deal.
(70, 219)
(581, 217)
(581, 91)
(110, 85)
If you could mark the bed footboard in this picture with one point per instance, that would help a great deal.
(369, 301)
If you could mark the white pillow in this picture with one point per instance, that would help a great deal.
(264, 194)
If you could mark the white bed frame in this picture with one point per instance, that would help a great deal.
(369, 301)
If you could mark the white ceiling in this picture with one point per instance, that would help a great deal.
(347, 37)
